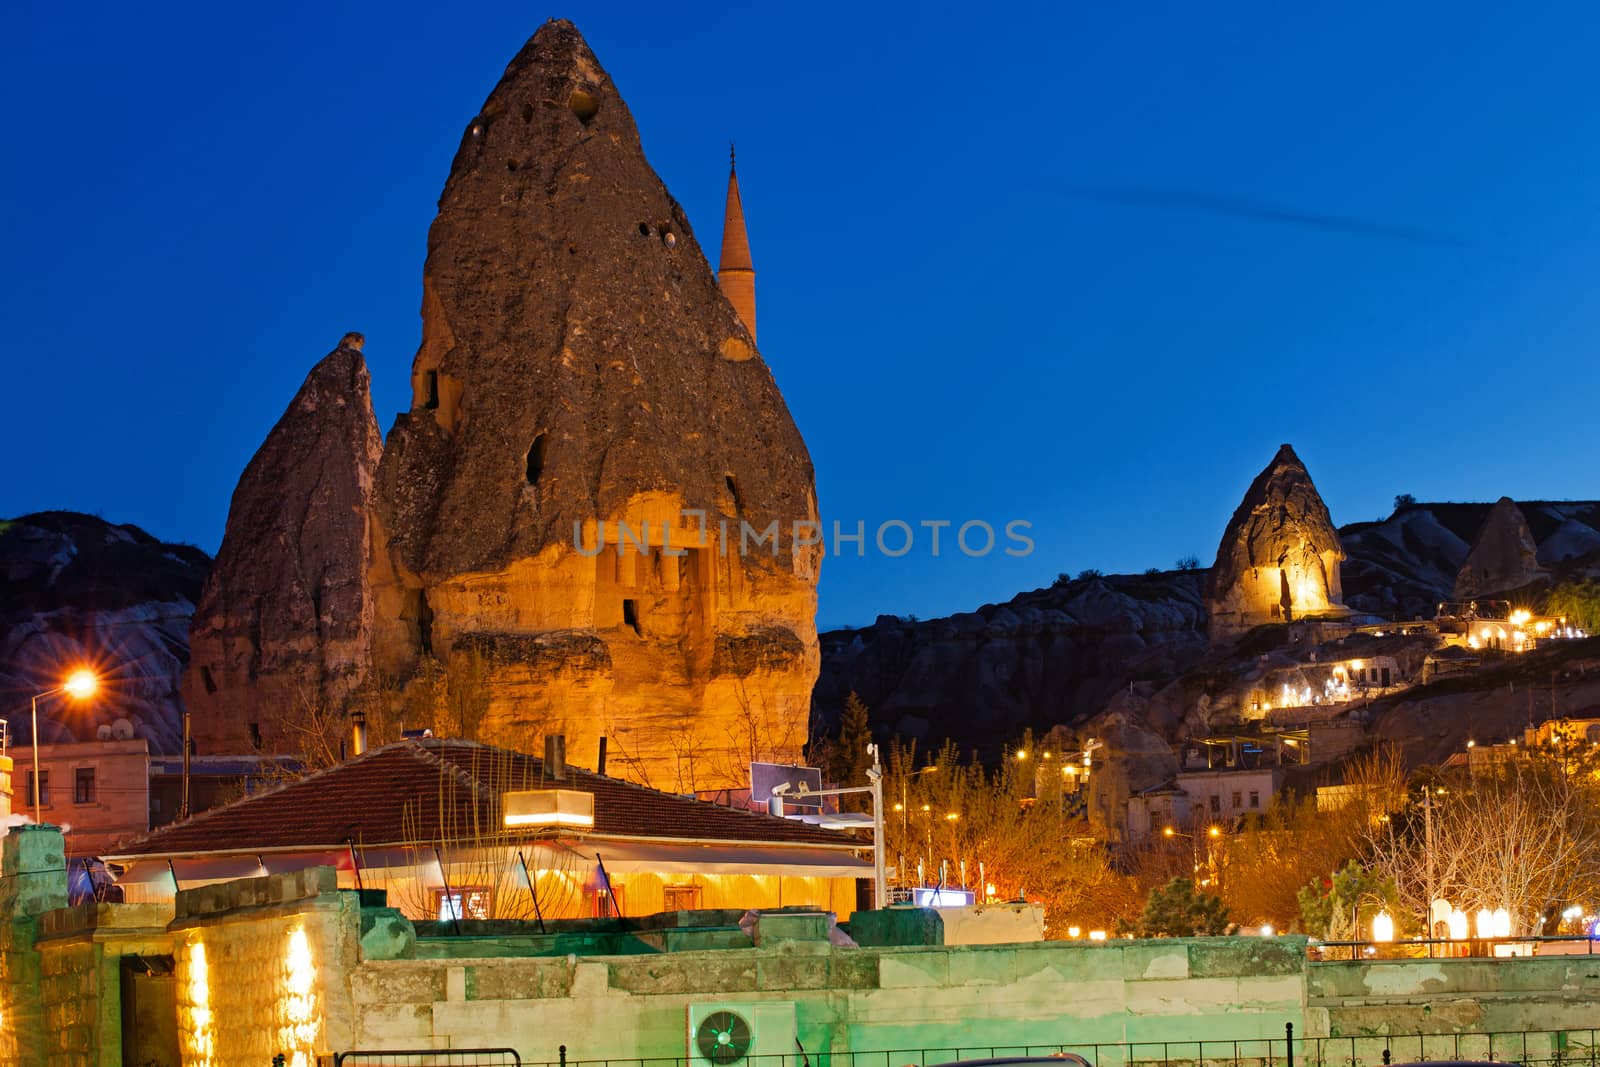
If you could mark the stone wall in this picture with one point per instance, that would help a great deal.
(80, 953)
(291, 964)
(262, 966)
(1451, 995)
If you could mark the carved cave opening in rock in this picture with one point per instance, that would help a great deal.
(584, 105)
(422, 618)
(255, 735)
(733, 491)
(536, 459)
(430, 382)
(630, 615)
(207, 680)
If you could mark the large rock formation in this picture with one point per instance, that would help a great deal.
(1503, 557)
(582, 379)
(1280, 554)
(284, 623)
(76, 590)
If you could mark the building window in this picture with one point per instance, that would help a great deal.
(41, 794)
(1216, 804)
(1255, 799)
(466, 903)
(609, 905)
(681, 898)
(83, 785)
(1237, 803)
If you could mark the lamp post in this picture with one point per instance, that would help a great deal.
(80, 685)
(1212, 833)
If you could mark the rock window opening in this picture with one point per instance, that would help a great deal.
(430, 389)
(424, 624)
(644, 229)
(206, 680)
(255, 736)
(733, 491)
(527, 112)
(511, 165)
(536, 459)
(584, 105)
(630, 615)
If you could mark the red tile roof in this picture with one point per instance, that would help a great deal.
(436, 790)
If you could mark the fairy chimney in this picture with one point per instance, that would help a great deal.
(569, 515)
(1279, 557)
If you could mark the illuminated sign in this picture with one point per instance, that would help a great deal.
(548, 808)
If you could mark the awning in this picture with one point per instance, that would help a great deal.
(620, 857)
(642, 858)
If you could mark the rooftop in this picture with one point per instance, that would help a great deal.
(431, 789)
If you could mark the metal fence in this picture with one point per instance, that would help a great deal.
(1544, 1048)
(425, 1057)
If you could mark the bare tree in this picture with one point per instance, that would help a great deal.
(1523, 835)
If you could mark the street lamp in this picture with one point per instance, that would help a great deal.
(80, 685)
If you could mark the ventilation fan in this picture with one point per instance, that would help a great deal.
(725, 1034)
(723, 1037)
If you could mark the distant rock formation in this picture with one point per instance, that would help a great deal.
(1279, 557)
(76, 590)
(284, 623)
(1503, 556)
(1049, 657)
(582, 382)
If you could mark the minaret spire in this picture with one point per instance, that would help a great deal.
(736, 275)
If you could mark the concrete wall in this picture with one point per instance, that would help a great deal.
(844, 999)
(1445, 995)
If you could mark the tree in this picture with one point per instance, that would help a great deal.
(1576, 601)
(987, 828)
(849, 759)
(1404, 500)
(1342, 907)
(1179, 909)
(1188, 563)
(1523, 835)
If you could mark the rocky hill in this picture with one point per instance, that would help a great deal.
(74, 590)
(1057, 656)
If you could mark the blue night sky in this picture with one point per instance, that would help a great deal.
(1086, 265)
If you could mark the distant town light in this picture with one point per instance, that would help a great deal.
(1267, 930)
(1097, 935)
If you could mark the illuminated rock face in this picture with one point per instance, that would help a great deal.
(1503, 557)
(581, 375)
(1279, 557)
(284, 620)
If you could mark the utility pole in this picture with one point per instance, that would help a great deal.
(1427, 849)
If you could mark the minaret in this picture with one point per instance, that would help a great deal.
(736, 275)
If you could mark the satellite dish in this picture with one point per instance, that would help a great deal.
(723, 1037)
(122, 730)
(102, 732)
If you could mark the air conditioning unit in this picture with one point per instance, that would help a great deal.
(721, 1034)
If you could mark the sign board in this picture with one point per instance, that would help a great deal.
(933, 897)
(801, 780)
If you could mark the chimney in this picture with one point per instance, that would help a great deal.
(555, 757)
(358, 733)
(600, 762)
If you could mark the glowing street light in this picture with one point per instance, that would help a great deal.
(80, 685)
(1382, 927)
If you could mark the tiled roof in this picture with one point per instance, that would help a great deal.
(436, 790)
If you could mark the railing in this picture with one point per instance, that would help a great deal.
(425, 1057)
(1540, 1048)
(1445, 948)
